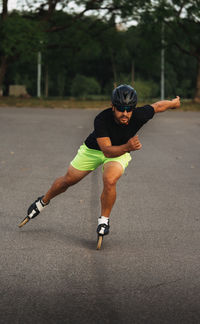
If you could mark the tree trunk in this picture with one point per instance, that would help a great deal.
(3, 68)
(132, 73)
(3, 59)
(197, 91)
(4, 9)
(113, 68)
(46, 80)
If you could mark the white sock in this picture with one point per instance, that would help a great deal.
(103, 220)
(44, 202)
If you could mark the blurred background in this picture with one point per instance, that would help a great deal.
(81, 49)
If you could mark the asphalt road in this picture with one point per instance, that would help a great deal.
(148, 270)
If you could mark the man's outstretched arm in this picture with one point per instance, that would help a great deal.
(163, 105)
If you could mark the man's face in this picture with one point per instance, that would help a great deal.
(122, 118)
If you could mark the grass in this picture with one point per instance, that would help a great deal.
(186, 105)
(52, 103)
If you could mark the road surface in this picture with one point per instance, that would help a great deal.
(148, 270)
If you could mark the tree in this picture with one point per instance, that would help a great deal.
(144, 46)
(41, 14)
(182, 20)
(20, 38)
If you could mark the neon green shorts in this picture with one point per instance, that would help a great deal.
(88, 159)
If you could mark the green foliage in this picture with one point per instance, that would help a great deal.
(20, 37)
(83, 86)
(146, 89)
(92, 46)
(182, 29)
(61, 83)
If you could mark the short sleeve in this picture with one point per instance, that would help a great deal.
(145, 113)
(100, 128)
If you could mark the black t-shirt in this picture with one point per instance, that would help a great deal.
(106, 126)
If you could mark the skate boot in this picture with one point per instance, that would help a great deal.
(34, 210)
(102, 229)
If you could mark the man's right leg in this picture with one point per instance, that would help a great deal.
(59, 186)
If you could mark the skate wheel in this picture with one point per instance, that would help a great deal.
(99, 242)
(24, 222)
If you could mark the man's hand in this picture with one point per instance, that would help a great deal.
(176, 102)
(111, 151)
(134, 144)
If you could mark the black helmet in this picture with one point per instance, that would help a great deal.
(124, 95)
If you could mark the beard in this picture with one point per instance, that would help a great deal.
(122, 120)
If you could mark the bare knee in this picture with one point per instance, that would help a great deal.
(60, 184)
(110, 182)
(68, 180)
(63, 183)
(112, 172)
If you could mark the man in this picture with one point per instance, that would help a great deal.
(110, 144)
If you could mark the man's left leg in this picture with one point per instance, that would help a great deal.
(112, 173)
